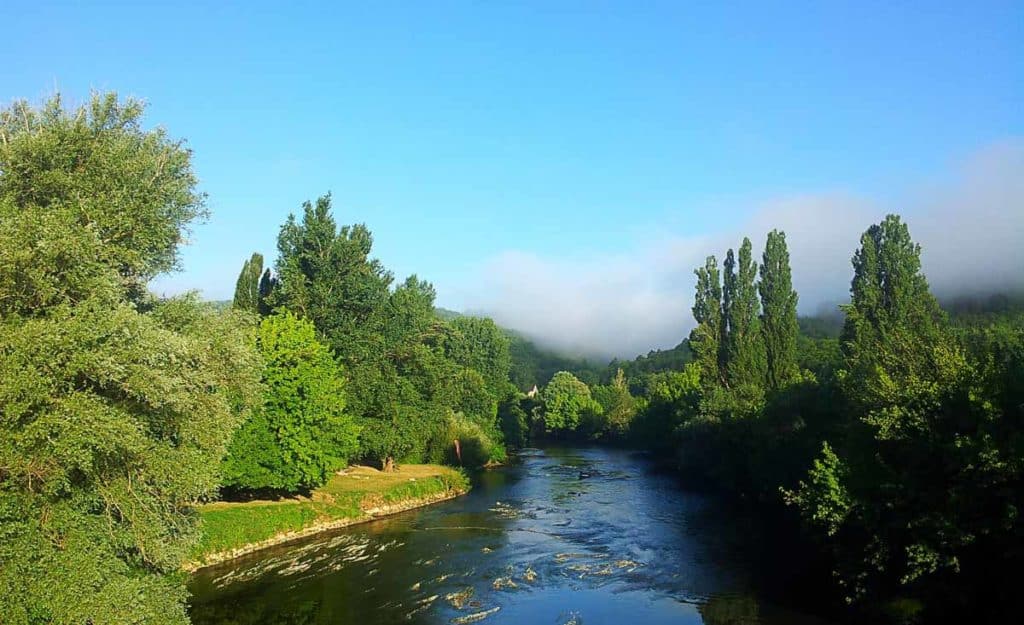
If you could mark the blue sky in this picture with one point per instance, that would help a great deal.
(465, 132)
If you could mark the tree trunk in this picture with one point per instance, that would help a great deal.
(389, 464)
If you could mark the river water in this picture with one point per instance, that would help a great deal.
(562, 536)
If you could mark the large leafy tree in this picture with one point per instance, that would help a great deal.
(618, 406)
(325, 274)
(134, 188)
(481, 345)
(567, 401)
(894, 490)
(116, 409)
(779, 326)
(301, 433)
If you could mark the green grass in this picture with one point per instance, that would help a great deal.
(227, 526)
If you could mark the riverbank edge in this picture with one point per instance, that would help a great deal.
(370, 514)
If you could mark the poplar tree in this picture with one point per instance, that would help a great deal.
(247, 287)
(725, 348)
(705, 339)
(893, 323)
(267, 284)
(743, 347)
(778, 318)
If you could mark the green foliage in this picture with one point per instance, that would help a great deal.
(567, 401)
(480, 345)
(250, 287)
(894, 333)
(116, 409)
(388, 440)
(476, 447)
(705, 339)
(302, 432)
(407, 367)
(655, 361)
(927, 440)
(669, 400)
(742, 358)
(131, 189)
(618, 407)
(534, 366)
(325, 274)
(824, 498)
(779, 326)
(514, 421)
(264, 290)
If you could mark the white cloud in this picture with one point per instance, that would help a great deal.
(971, 231)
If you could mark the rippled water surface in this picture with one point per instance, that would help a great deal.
(563, 536)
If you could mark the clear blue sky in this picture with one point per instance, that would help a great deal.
(459, 130)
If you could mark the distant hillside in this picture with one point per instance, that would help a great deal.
(446, 314)
(818, 345)
(655, 361)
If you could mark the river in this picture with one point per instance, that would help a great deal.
(561, 536)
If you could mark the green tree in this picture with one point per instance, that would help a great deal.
(247, 287)
(618, 406)
(893, 490)
(895, 334)
(302, 433)
(742, 345)
(567, 401)
(75, 163)
(325, 274)
(670, 399)
(481, 345)
(116, 409)
(265, 289)
(779, 327)
(705, 339)
(514, 421)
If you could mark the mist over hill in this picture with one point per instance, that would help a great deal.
(969, 222)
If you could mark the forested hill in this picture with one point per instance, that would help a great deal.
(818, 344)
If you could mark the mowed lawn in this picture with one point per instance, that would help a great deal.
(346, 496)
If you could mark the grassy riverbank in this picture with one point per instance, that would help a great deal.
(359, 494)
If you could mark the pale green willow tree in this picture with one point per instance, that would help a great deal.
(115, 409)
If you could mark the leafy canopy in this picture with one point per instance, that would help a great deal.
(301, 434)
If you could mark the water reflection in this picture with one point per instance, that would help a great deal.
(563, 536)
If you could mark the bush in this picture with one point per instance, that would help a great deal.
(476, 447)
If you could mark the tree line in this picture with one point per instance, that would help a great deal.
(121, 411)
(895, 448)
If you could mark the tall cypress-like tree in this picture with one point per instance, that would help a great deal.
(247, 288)
(743, 347)
(705, 339)
(778, 318)
(725, 347)
(266, 288)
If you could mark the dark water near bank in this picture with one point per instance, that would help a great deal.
(563, 536)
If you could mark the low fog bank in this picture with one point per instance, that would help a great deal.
(971, 230)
